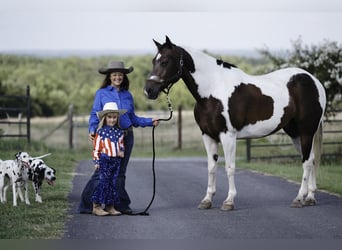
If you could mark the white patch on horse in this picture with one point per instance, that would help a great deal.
(265, 83)
(158, 56)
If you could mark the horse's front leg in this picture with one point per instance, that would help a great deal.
(211, 149)
(228, 141)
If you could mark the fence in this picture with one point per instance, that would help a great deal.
(69, 120)
(279, 145)
(169, 133)
(181, 133)
(21, 106)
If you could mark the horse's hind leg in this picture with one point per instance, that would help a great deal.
(316, 150)
(211, 147)
(310, 199)
(308, 184)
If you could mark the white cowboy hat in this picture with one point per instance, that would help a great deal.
(115, 66)
(110, 107)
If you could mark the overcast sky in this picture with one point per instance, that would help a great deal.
(132, 24)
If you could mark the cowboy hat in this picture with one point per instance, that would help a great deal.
(110, 107)
(115, 66)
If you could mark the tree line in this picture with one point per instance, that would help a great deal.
(56, 83)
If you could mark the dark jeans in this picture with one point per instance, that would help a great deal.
(86, 205)
(106, 193)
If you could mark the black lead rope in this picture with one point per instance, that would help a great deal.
(145, 213)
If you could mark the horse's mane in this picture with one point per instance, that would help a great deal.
(225, 64)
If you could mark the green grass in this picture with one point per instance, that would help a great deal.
(328, 177)
(39, 220)
(47, 220)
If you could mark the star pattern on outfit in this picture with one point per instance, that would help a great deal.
(108, 141)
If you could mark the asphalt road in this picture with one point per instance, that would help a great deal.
(262, 206)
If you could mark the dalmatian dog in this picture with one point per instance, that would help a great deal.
(13, 171)
(37, 173)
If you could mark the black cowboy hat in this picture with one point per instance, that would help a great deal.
(115, 66)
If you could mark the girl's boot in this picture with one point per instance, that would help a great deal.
(97, 210)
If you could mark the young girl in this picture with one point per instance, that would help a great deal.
(108, 152)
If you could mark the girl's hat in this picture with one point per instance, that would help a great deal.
(115, 66)
(110, 107)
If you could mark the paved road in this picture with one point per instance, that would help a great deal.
(262, 207)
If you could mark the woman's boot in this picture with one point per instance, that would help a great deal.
(97, 210)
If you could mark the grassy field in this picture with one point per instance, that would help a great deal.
(328, 177)
(46, 220)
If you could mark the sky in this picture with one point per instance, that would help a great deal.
(213, 25)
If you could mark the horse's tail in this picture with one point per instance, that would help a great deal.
(318, 139)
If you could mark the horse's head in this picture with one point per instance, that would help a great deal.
(167, 69)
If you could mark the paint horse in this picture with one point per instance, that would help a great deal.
(231, 105)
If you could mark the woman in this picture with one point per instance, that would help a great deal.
(115, 89)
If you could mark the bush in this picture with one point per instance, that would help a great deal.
(323, 61)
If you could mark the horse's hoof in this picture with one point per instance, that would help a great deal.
(310, 202)
(227, 207)
(296, 204)
(205, 205)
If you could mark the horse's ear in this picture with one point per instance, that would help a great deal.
(168, 41)
(157, 44)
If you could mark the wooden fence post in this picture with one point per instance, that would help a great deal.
(180, 127)
(28, 114)
(71, 125)
(248, 149)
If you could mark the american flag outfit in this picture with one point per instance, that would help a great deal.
(107, 145)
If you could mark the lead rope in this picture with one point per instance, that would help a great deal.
(145, 213)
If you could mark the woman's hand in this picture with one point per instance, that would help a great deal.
(155, 122)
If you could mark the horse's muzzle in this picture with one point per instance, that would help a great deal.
(152, 87)
(150, 94)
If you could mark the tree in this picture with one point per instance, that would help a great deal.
(324, 61)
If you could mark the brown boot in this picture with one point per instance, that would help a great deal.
(97, 210)
(111, 210)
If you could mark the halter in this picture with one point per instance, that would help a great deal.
(174, 79)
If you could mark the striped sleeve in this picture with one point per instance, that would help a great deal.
(97, 148)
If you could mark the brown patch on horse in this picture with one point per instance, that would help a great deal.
(306, 114)
(208, 115)
(247, 105)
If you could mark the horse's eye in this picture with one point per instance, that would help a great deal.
(163, 63)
